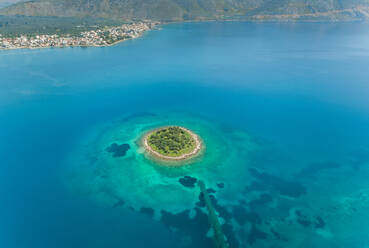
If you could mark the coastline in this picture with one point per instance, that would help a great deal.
(254, 19)
(144, 27)
(195, 152)
(77, 46)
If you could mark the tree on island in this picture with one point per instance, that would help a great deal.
(172, 141)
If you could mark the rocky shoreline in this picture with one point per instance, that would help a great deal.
(93, 38)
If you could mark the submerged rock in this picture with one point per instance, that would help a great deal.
(274, 183)
(118, 150)
(256, 234)
(241, 215)
(229, 232)
(188, 181)
(211, 191)
(314, 169)
(201, 202)
(278, 236)
(148, 211)
(263, 200)
(302, 219)
(119, 203)
(196, 227)
(319, 223)
(220, 185)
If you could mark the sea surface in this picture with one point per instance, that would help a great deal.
(283, 110)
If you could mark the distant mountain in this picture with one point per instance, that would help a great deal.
(5, 3)
(177, 10)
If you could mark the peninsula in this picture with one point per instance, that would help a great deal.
(172, 143)
(98, 37)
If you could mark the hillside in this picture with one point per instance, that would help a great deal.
(12, 26)
(173, 10)
(5, 3)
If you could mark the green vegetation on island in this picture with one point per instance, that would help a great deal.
(172, 141)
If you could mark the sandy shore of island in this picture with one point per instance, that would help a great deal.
(189, 155)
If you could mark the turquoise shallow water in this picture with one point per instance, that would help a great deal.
(282, 109)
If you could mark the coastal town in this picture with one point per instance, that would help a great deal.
(99, 37)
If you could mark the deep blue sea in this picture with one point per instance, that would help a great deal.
(299, 92)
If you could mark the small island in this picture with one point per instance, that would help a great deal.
(172, 143)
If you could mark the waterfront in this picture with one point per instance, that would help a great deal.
(287, 104)
(99, 37)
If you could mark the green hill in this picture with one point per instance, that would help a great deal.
(173, 10)
(6, 3)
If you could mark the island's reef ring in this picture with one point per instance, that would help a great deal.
(111, 164)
